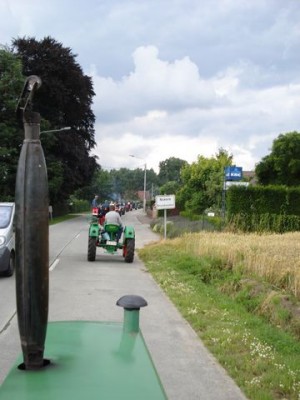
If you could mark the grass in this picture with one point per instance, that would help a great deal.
(208, 276)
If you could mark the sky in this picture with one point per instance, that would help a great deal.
(177, 78)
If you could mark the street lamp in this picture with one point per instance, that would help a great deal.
(145, 180)
(67, 128)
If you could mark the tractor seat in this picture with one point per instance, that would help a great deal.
(111, 228)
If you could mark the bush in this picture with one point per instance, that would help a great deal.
(77, 205)
(264, 223)
(263, 209)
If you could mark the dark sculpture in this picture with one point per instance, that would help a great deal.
(32, 234)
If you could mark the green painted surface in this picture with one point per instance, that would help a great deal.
(89, 361)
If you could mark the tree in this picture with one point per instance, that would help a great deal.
(282, 165)
(127, 182)
(169, 170)
(11, 136)
(202, 183)
(170, 187)
(100, 185)
(64, 99)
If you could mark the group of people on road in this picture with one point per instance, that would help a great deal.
(108, 215)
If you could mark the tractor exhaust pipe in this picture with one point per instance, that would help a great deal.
(131, 323)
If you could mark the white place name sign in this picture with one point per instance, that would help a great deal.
(165, 202)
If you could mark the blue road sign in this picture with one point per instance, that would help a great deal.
(233, 173)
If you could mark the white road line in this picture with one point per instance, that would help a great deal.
(54, 264)
(77, 236)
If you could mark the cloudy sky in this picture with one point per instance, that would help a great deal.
(177, 78)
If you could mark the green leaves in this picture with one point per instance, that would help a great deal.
(64, 100)
(170, 170)
(282, 165)
(202, 182)
(11, 83)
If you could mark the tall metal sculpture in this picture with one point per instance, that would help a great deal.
(32, 233)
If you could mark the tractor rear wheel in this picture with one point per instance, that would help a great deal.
(92, 249)
(129, 250)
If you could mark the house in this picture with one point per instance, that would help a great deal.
(140, 195)
(250, 177)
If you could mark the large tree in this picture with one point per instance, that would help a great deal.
(11, 137)
(282, 165)
(169, 170)
(64, 100)
(100, 185)
(202, 183)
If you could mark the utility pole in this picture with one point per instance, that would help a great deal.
(145, 181)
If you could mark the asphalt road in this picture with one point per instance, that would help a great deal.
(82, 290)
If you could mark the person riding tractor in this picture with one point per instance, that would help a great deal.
(113, 218)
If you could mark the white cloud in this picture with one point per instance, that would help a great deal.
(153, 84)
(170, 111)
(178, 81)
(115, 151)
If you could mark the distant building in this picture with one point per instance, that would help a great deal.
(140, 194)
(250, 177)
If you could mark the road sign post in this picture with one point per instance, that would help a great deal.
(165, 202)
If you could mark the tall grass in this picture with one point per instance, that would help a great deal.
(274, 257)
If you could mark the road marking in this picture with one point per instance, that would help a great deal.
(6, 326)
(54, 264)
(76, 237)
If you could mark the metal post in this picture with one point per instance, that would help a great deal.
(165, 223)
(145, 181)
(66, 128)
(224, 196)
(145, 175)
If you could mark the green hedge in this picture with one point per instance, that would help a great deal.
(79, 206)
(278, 223)
(259, 208)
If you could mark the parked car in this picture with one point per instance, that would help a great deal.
(7, 239)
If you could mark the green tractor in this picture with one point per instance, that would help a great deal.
(107, 237)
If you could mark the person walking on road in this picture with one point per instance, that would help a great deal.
(95, 202)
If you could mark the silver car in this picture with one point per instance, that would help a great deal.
(7, 239)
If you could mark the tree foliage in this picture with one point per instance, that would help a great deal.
(100, 185)
(64, 100)
(169, 170)
(170, 187)
(11, 137)
(202, 183)
(282, 165)
(122, 184)
(127, 182)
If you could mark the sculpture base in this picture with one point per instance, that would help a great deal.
(88, 360)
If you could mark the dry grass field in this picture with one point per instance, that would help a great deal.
(274, 257)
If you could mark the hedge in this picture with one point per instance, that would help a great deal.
(263, 208)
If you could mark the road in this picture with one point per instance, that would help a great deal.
(82, 290)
